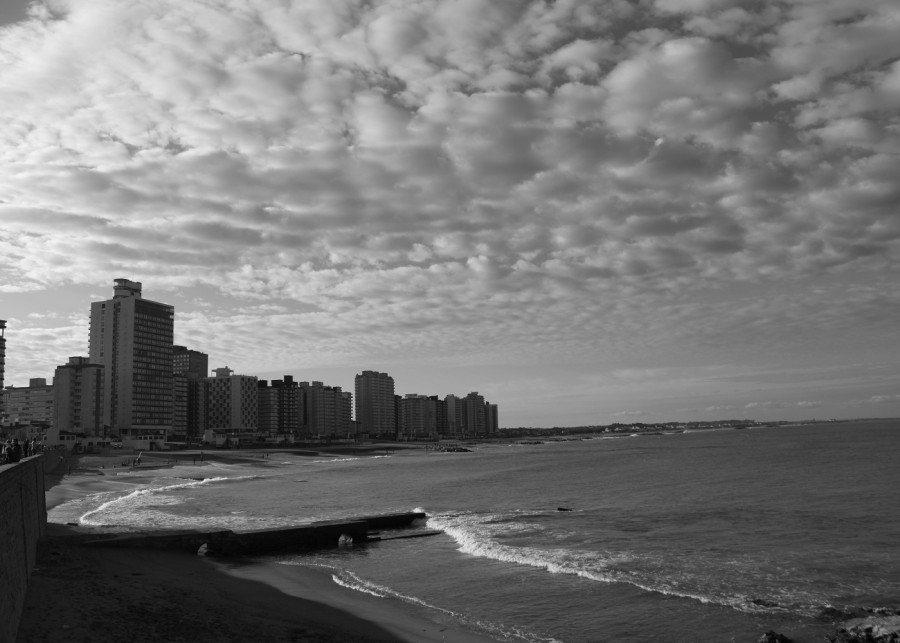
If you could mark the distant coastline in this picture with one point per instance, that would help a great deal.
(672, 427)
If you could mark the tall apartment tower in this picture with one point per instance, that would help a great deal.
(189, 367)
(280, 407)
(231, 403)
(418, 417)
(78, 397)
(131, 337)
(326, 411)
(492, 421)
(185, 360)
(474, 414)
(440, 409)
(2, 359)
(375, 404)
(455, 419)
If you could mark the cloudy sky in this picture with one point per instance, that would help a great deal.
(588, 211)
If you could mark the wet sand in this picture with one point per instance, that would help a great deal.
(88, 593)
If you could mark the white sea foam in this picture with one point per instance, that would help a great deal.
(477, 535)
(110, 512)
(352, 581)
(350, 459)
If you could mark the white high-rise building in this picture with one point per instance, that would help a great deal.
(131, 337)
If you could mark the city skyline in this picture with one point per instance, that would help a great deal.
(589, 212)
(139, 385)
(213, 373)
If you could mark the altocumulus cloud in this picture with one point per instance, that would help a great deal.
(418, 164)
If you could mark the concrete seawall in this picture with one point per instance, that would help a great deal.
(23, 520)
(317, 535)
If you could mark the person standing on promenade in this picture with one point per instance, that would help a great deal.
(14, 453)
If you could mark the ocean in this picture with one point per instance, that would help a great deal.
(703, 536)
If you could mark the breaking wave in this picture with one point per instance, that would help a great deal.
(118, 504)
(481, 534)
(352, 581)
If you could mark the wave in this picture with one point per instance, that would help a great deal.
(350, 459)
(476, 535)
(481, 535)
(350, 580)
(135, 497)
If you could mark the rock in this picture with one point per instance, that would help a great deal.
(873, 629)
(773, 637)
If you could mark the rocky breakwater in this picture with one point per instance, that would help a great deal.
(869, 629)
(863, 625)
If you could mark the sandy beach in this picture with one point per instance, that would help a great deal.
(89, 593)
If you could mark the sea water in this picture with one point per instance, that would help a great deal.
(703, 536)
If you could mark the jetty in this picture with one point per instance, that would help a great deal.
(315, 535)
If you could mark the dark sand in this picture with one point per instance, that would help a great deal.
(94, 594)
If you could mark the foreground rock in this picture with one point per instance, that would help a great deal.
(872, 629)
(774, 637)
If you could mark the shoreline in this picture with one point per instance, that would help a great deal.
(111, 594)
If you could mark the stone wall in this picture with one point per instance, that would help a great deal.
(23, 519)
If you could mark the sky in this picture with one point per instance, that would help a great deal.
(589, 212)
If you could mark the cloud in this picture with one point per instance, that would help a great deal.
(683, 86)
(721, 408)
(371, 120)
(590, 178)
(878, 399)
(763, 405)
(691, 6)
(622, 414)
